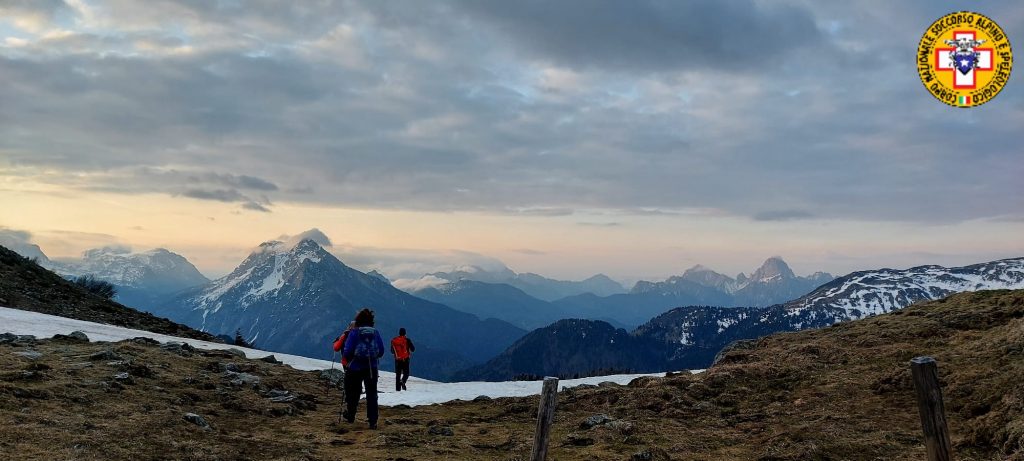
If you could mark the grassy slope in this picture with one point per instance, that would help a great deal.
(839, 393)
(25, 285)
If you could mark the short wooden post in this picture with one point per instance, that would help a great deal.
(933, 413)
(545, 416)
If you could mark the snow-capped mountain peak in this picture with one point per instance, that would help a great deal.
(158, 269)
(866, 293)
(263, 272)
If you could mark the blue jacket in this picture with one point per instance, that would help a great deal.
(353, 339)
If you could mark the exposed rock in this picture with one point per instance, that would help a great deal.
(198, 421)
(276, 393)
(482, 398)
(595, 420)
(650, 454)
(76, 336)
(145, 340)
(241, 379)
(182, 349)
(235, 352)
(446, 431)
(281, 396)
(270, 359)
(231, 367)
(124, 377)
(335, 376)
(31, 355)
(622, 427)
(608, 384)
(17, 340)
(704, 406)
(79, 365)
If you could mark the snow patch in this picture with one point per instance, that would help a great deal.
(421, 391)
(422, 283)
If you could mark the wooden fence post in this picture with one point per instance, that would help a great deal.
(933, 413)
(545, 416)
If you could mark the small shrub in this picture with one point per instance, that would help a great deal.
(96, 286)
(241, 342)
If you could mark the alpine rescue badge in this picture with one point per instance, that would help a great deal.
(964, 59)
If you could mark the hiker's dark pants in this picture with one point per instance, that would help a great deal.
(355, 382)
(401, 373)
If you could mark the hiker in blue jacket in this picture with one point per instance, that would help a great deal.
(363, 349)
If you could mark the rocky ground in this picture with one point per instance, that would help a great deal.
(839, 393)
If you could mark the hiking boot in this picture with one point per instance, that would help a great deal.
(349, 418)
(373, 426)
(403, 387)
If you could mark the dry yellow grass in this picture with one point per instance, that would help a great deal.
(838, 393)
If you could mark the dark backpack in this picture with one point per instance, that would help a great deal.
(366, 345)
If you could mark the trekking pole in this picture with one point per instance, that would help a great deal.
(327, 384)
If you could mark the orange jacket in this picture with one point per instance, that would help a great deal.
(402, 347)
(340, 343)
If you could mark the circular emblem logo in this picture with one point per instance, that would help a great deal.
(964, 59)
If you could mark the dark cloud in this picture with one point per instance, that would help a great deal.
(782, 215)
(654, 34)
(230, 196)
(239, 181)
(255, 207)
(220, 195)
(743, 108)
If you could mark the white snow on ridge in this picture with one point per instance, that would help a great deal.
(882, 291)
(421, 391)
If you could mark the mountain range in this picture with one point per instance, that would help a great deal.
(495, 300)
(294, 296)
(773, 282)
(142, 279)
(27, 285)
(690, 337)
(537, 286)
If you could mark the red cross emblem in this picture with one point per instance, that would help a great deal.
(961, 81)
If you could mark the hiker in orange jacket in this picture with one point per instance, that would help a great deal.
(402, 348)
(340, 343)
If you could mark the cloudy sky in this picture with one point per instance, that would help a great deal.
(635, 138)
